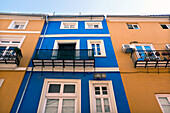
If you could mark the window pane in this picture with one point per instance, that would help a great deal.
(106, 101)
(69, 88)
(54, 88)
(166, 108)
(104, 88)
(96, 26)
(68, 110)
(98, 105)
(164, 26)
(72, 26)
(51, 109)
(69, 102)
(163, 100)
(16, 26)
(52, 102)
(2, 49)
(90, 26)
(136, 26)
(97, 88)
(66, 26)
(68, 106)
(129, 26)
(106, 108)
(5, 41)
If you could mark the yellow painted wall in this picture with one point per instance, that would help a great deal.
(13, 79)
(9, 89)
(140, 86)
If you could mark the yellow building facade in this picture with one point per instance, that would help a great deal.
(19, 31)
(147, 85)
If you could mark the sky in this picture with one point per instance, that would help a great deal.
(106, 7)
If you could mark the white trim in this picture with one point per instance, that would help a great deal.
(93, 23)
(162, 95)
(97, 69)
(57, 42)
(44, 93)
(102, 47)
(14, 68)
(69, 25)
(5, 31)
(110, 95)
(1, 82)
(13, 23)
(76, 35)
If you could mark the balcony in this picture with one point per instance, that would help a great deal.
(11, 57)
(73, 58)
(151, 58)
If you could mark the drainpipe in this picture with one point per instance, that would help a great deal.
(19, 105)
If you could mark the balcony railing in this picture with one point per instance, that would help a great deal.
(55, 57)
(10, 56)
(151, 58)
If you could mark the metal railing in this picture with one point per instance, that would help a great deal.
(151, 58)
(68, 54)
(9, 56)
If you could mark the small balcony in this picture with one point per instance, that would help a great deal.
(66, 57)
(151, 58)
(10, 56)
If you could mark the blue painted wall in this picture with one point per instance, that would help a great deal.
(33, 92)
(54, 28)
(108, 61)
(31, 99)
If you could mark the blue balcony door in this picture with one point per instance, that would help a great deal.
(66, 51)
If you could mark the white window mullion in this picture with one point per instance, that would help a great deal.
(60, 105)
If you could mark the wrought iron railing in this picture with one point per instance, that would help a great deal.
(151, 58)
(50, 54)
(10, 56)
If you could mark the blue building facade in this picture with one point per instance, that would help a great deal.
(73, 70)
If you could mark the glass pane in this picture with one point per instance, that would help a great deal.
(98, 105)
(52, 102)
(106, 108)
(135, 26)
(129, 26)
(54, 88)
(166, 108)
(5, 41)
(68, 110)
(97, 92)
(72, 26)
(69, 102)
(106, 101)
(147, 47)
(93, 45)
(164, 26)
(2, 49)
(96, 26)
(90, 26)
(16, 26)
(69, 88)
(51, 109)
(104, 92)
(163, 100)
(97, 88)
(66, 26)
(104, 88)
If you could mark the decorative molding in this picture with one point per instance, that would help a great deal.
(14, 69)
(5, 31)
(77, 35)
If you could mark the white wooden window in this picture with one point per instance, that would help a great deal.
(9, 42)
(93, 25)
(133, 26)
(69, 25)
(18, 24)
(60, 96)
(102, 99)
(98, 47)
(1, 82)
(165, 26)
(164, 102)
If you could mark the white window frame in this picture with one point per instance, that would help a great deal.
(69, 24)
(102, 47)
(93, 23)
(60, 96)
(15, 22)
(110, 96)
(167, 25)
(133, 25)
(162, 95)
(11, 39)
(1, 82)
(152, 47)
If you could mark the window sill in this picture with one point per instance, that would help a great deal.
(99, 55)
